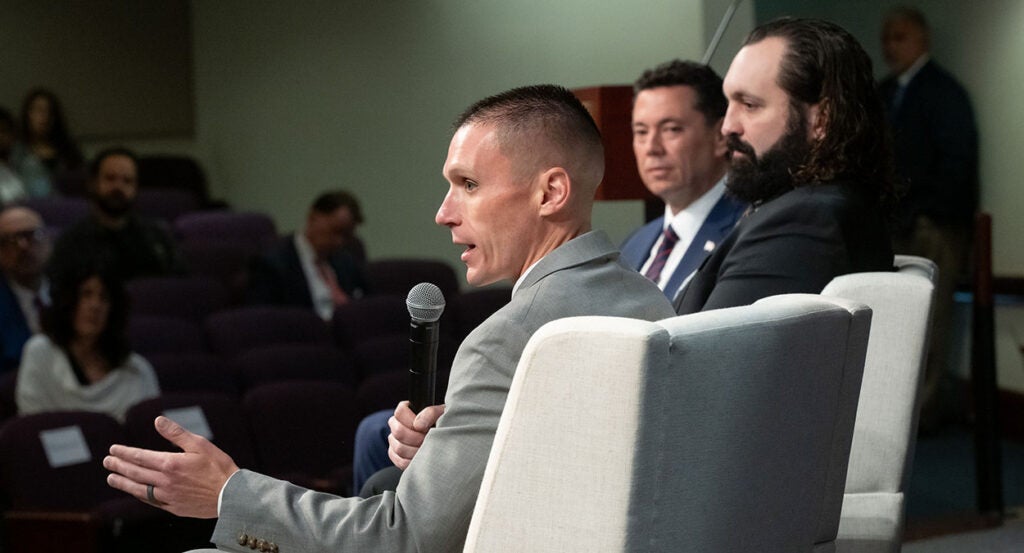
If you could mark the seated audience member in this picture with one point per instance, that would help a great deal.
(11, 187)
(522, 169)
(808, 151)
(136, 246)
(46, 148)
(352, 217)
(82, 360)
(311, 268)
(23, 287)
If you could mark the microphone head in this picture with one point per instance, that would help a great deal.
(425, 302)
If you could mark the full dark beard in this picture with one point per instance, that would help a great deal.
(115, 204)
(757, 180)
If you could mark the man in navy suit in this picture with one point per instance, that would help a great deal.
(23, 252)
(311, 268)
(680, 154)
(936, 154)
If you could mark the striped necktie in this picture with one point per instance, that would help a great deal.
(668, 241)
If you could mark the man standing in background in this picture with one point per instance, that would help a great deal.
(936, 155)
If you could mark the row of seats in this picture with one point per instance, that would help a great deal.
(299, 431)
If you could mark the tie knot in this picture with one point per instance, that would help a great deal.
(670, 236)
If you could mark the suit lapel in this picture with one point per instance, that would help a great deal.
(719, 222)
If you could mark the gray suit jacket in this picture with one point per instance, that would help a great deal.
(431, 508)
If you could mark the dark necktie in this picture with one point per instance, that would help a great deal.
(668, 241)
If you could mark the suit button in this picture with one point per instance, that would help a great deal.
(243, 539)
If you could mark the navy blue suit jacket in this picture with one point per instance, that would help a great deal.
(719, 222)
(935, 147)
(14, 331)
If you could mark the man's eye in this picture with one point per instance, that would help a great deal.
(471, 185)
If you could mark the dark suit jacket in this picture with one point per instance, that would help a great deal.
(719, 222)
(277, 278)
(14, 331)
(795, 243)
(936, 147)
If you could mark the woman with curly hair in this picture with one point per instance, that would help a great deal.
(82, 360)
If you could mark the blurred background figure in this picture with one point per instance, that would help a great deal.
(314, 268)
(135, 245)
(936, 157)
(82, 360)
(45, 148)
(11, 188)
(24, 292)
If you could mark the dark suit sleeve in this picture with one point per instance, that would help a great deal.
(954, 140)
(798, 249)
(264, 284)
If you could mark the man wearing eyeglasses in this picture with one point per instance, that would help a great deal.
(24, 250)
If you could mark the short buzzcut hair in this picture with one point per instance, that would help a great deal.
(711, 102)
(541, 123)
(330, 201)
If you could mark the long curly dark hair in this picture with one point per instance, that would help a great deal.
(825, 65)
(58, 320)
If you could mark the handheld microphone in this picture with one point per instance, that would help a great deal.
(425, 303)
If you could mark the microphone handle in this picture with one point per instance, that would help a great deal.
(422, 364)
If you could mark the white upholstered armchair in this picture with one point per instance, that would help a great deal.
(886, 426)
(720, 431)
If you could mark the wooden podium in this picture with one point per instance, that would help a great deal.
(612, 108)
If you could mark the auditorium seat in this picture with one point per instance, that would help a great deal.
(219, 413)
(886, 427)
(232, 331)
(8, 406)
(386, 389)
(57, 497)
(174, 171)
(58, 212)
(397, 276)
(369, 317)
(166, 204)
(225, 261)
(392, 352)
(253, 231)
(194, 372)
(150, 334)
(186, 297)
(472, 307)
(304, 432)
(285, 362)
(726, 430)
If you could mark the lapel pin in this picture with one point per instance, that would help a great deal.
(709, 245)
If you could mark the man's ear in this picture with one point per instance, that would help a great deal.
(721, 142)
(556, 189)
(817, 117)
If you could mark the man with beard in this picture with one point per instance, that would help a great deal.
(136, 247)
(808, 150)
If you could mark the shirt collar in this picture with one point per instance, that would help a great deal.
(908, 75)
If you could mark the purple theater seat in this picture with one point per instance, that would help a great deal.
(391, 352)
(59, 212)
(254, 231)
(31, 483)
(369, 317)
(192, 298)
(151, 334)
(278, 363)
(304, 432)
(166, 204)
(224, 261)
(171, 171)
(232, 331)
(8, 406)
(398, 276)
(473, 307)
(193, 372)
(385, 390)
(222, 414)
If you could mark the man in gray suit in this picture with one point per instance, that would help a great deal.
(522, 167)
